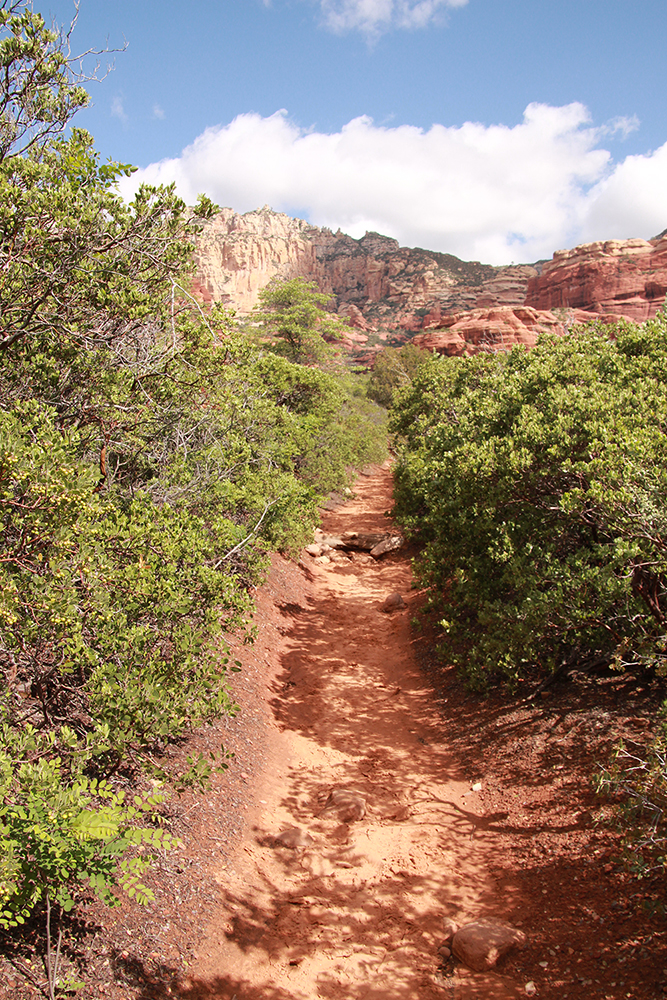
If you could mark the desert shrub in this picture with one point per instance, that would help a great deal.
(636, 780)
(150, 458)
(536, 482)
(394, 368)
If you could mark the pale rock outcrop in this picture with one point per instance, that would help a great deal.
(238, 255)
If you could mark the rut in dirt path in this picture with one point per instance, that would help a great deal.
(350, 903)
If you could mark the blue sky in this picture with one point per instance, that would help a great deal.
(405, 116)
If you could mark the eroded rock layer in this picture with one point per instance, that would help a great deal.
(383, 289)
(623, 277)
(390, 293)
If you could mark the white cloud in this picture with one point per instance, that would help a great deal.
(375, 16)
(631, 201)
(117, 109)
(158, 112)
(492, 193)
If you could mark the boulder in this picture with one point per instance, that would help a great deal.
(392, 603)
(480, 944)
(375, 542)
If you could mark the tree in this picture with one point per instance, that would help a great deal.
(290, 313)
(394, 368)
(150, 457)
(41, 90)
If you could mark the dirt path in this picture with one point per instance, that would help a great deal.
(356, 908)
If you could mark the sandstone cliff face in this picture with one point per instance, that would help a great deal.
(490, 330)
(237, 255)
(622, 277)
(384, 289)
(390, 293)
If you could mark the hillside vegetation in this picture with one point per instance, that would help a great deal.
(150, 458)
(535, 483)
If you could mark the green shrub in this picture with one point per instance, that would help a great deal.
(537, 483)
(394, 368)
(638, 778)
(150, 459)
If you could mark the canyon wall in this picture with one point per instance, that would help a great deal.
(390, 293)
(621, 277)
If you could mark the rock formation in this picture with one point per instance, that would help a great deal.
(494, 329)
(391, 294)
(387, 292)
(621, 277)
(237, 255)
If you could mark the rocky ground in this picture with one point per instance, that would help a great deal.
(370, 799)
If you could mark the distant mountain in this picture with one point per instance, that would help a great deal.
(391, 294)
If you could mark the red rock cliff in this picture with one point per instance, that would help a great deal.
(390, 293)
(383, 288)
(623, 277)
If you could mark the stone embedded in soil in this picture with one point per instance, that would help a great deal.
(390, 544)
(480, 944)
(349, 804)
(450, 928)
(399, 814)
(394, 602)
(294, 837)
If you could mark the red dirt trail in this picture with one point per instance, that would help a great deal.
(357, 911)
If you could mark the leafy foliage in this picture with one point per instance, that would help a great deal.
(638, 777)
(40, 93)
(150, 458)
(537, 485)
(58, 836)
(536, 481)
(394, 368)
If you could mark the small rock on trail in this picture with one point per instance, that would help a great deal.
(482, 943)
(393, 603)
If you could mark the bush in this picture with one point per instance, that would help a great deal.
(638, 777)
(537, 484)
(150, 458)
(394, 368)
